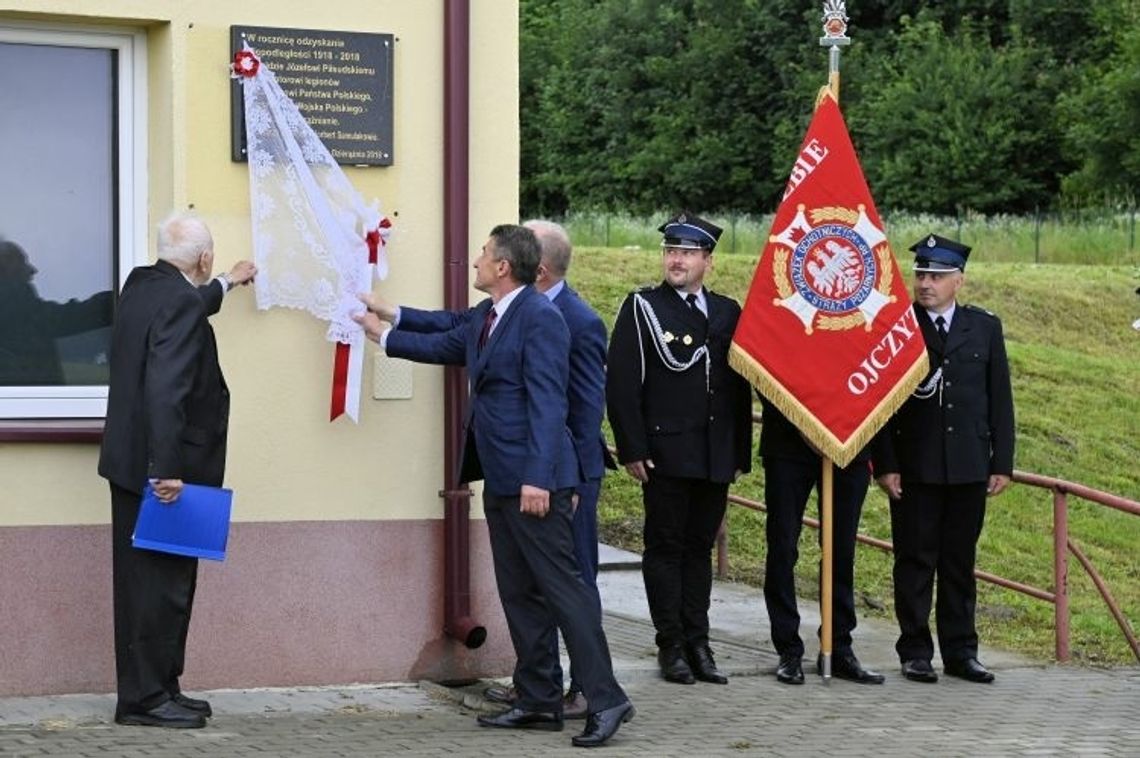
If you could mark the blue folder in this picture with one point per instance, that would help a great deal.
(197, 524)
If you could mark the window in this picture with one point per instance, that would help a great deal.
(72, 210)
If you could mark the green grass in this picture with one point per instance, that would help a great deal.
(1104, 236)
(1075, 361)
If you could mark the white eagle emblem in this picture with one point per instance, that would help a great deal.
(834, 270)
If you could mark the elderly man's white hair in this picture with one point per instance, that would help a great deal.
(182, 238)
(555, 243)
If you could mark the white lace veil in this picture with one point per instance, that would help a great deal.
(309, 222)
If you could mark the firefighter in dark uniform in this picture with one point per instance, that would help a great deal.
(947, 449)
(792, 468)
(682, 421)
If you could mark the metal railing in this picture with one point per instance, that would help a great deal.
(1062, 546)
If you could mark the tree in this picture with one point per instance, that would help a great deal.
(1102, 116)
(950, 122)
(647, 105)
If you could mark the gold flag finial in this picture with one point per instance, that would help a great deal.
(834, 37)
(834, 23)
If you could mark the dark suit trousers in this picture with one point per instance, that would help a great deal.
(682, 517)
(153, 596)
(585, 528)
(935, 529)
(541, 589)
(787, 485)
(585, 535)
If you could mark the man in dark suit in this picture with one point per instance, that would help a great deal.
(167, 414)
(586, 397)
(516, 348)
(792, 468)
(682, 420)
(947, 449)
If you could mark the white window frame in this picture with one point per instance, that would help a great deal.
(131, 112)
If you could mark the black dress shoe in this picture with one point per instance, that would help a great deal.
(574, 706)
(602, 725)
(703, 666)
(968, 669)
(674, 667)
(919, 670)
(517, 718)
(169, 714)
(505, 695)
(194, 704)
(790, 670)
(847, 667)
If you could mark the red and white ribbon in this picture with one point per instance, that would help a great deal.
(348, 367)
(348, 358)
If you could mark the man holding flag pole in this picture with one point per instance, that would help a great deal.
(827, 334)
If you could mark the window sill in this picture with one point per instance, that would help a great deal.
(52, 430)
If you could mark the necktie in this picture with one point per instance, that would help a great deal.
(691, 299)
(488, 322)
(940, 325)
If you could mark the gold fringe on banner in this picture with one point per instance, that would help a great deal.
(825, 91)
(818, 434)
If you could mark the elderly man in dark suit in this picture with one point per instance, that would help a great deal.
(947, 449)
(516, 348)
(682, 420)
(167, 414)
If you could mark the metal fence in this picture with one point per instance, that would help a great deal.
(1063, 546)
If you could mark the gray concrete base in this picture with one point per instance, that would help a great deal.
(1033, 709)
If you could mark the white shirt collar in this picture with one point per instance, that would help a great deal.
(947, 316)
(554, 290)
(505, 302)
(702, 303)
(220, 279)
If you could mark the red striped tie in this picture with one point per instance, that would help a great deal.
(488, 321)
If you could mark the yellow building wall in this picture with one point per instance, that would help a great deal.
(286, 462)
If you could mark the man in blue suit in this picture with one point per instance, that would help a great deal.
(587, 405)
(516, 348)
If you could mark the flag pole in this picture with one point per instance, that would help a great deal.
(834, 37)
(826, 526)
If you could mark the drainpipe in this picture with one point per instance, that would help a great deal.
(457, 621)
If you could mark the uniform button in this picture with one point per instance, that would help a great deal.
(949, 384)
(945, 361)
(712, 418)
(949, 428)
(949, 405)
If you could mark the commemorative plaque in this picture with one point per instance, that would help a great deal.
(340, 81)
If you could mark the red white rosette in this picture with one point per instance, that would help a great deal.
(245, 64)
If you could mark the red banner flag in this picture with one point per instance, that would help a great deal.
(827, 333)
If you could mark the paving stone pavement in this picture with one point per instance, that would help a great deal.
(1031, 710)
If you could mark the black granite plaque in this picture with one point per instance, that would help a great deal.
(340, 81)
